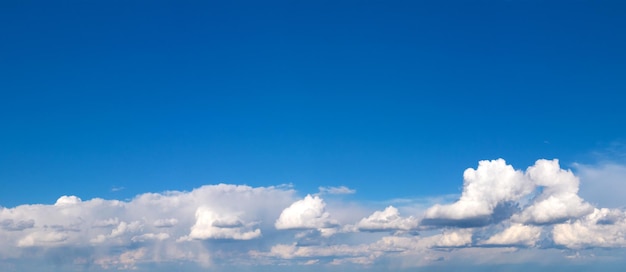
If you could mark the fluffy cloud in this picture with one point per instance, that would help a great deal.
(492, 183)
(559, 198)
(604, 228)
(67, 200)
(386, 220)
(501, 210)
(457, 238)
(122, 229)
(515, 235)
(166, 226)
(308, 213)
(210, 225)
(494, 190)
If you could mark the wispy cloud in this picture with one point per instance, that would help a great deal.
(603, 184)
(341, 190)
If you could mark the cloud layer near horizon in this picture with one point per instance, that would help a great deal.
(537, 210)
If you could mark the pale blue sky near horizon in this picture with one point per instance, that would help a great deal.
(393, 99)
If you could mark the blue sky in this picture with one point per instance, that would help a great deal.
(392, 100)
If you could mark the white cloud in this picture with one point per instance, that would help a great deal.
(341, 190)
(388, 219)
(165, 223)
(153, 220)
(150, 236)
(42, 239)
(554, 208)
(515, 235)
(210, 225)
(456, 238)
(67, 200)
(446, 239)
(230, 224)
(492, 183)
(367, 253)
(558, 200)
(604, 228)
(307, 213)
(121, 230)
(124, 261)
(290, 251)
(124, 228)
(109, 222)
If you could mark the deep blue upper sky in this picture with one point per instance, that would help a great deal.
(393, 99)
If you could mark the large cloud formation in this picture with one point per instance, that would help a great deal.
(494, 183)
(501, 210)
(151, 227)
(484, 188)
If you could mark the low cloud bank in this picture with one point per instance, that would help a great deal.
(537, 209)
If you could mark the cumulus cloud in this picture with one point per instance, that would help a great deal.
(124, 228)
(515, 235)
(456, 238)
(559, 198)
(491, 191)
(168, 225)
(492, 183)
(210, 225)
(602, 228)
(67, 200)
(307, 213)
(500, 210)
(121, 229)
(386, 220)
